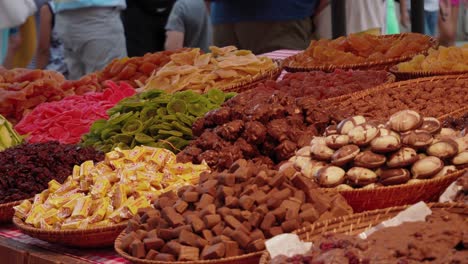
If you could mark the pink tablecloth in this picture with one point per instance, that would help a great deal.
(105, 256)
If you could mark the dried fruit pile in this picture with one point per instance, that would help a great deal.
(87, 83)
(153, 118)
(260, 124)
(442, 59)
(361, 153)
(321, 85)
(67, 120)
(228, 214)
(106, 193)
(359, 48)
(26, 169)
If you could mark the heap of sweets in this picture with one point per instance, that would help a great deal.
(442, 59)
(440, 239)
(222, 68)
(261, 124)
(8, 136)
(228, 214)
(26, 169)
(108, 192)
(359, 48)
(361, 153)
(153, 118)
(462, 194)
(86, 84)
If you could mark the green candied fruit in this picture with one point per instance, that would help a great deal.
(132, 127)
(148, 113)
(230, 95)
(151, 94)
(216, 96)
(118, 117)
(176, 106)
(171, 133)
(199, 108)
(143, 138)
(186, 119)
(127, 139)
(187, 96)
(182, 128)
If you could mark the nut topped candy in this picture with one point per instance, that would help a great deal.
(444, 148)
(330, 176)
(344, 155)
(358, 176)
(361, 135)
(349, 123)
(417, 138)
(431, 125)
(394, 176)
(427, 167)
(385, 144)
(369, 159)
(405, 120)
(403, 157)
(337, 141)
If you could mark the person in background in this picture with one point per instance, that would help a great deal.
(92, 33)
(448, 21)
(263, 25)
(12, 47)
(188, 26)
(431, 11)
(144, 22)
(49, 53)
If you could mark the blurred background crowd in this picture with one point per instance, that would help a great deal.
(77, 37)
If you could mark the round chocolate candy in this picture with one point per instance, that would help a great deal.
(337, 141)
(461, 159)
(403, 157)
(369, 159)
(394, 176)
(417, 138)
(444, 148)
(349, 123)
(363, 134)
(344, 155)
(384, 144)
(405, 120)
(330, 176)
(446, 170)
(303, 152)
(427, 167)
(431, 125)
(359, 176)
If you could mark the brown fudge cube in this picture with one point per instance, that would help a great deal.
(227, 179)
(132, 225)
(280, 213)
(260, 197)
(257, 234)
(232, 248)
(231, 202)
(290, 225)
(268, 221)
(197, 224)
(209, 187)
(276, 180)
(127, 240)
(256, 246)
(180, 206)
(138, 249)
(151, 254)
(276, 230)
(153, 222)
(208, 210)
(140, 234)
(172, 247)
(164, 257)
(188, 238)
(172, 217)
(207, 235)
(255, 219)
(211, 220)
(319, 200)
(153, 243)
(246, 202)
(190, 197)
(205, 200)
(188, 253)
(310, 215)
(218, 229)
(241, 238)
(215, 251)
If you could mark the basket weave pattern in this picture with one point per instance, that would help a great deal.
(7, 211)
(402, 75)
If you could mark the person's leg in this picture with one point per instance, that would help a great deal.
(448, 19)
(139, 28)
(432, 22)
(225, 35)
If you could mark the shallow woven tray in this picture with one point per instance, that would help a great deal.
(251, 258)
(455, 114)
(81, 238)
(252, 82)
(7, 211)
(396, 195)
(402, 75)
(357, 223)
(372, 65)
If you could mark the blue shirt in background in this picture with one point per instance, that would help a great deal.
(233, 11)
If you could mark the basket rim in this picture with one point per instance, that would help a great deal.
(454, 174)
(124, 254)
(433, 42)
(9, 204)
(458, 113)
(394, 70)
(21, 225)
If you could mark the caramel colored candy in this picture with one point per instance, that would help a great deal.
(394, 176)
(344, 155)
(336, 141)
(417, 138)
(344, 187)
(385, 144)
(330, 176)
(369, 159)
(443, 149)
(426, 167)
(359, 176)
(215, 251)
(320, 150)
(188, 253)
(363, 134)
(349, 123)
(303, 152)
(402, 158)
(405, 120)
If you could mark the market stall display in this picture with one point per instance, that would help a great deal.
(441, 61)
(26, 169)
(68, 119)
(223, 68)
(107, 193)
(359, 51)
(228, 214)
(154, 118)
(8, 136)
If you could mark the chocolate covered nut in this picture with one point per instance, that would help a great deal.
(445, 171)
(336, 141)
(394, 176)
(349, 123)
(388, 132)
(443, 149)
(363, 134)
(417, 138)
(320, 150)
(385, 144)
(303, 152)
(461, 159)
(138, 249)
(359, 176)
(214, 251)
(426, 167)
(344, 155)
(403, 157)
(369, 159)
(344, 187)
(405, 120)
(164, 257)
(153, 243)
(188, 253)
(330, 176)
(431, 125)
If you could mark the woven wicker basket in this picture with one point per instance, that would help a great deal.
(402, 75)
(455, 114)
(81, 238)
(357, 223)
(372, 65)
(251, 258)
(382, 197)
(7, 211)
(248, 84)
